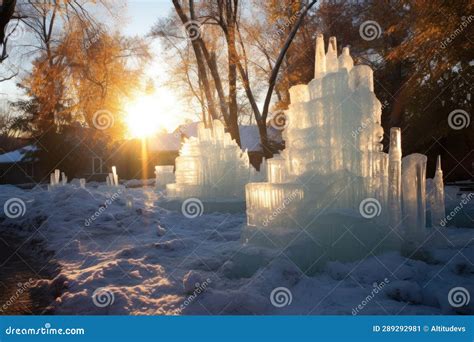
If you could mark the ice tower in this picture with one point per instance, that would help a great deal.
(211, 166)
(437, 206)
(333, 176)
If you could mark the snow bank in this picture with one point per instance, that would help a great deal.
(149, 260)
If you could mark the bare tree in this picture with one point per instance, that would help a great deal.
(225, 14)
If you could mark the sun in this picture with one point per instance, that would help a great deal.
(150, 114)
(142, 117)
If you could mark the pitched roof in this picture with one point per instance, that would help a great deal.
(16, 155)
(249, 137)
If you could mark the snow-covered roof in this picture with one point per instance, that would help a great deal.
(249, 137)
(16, 155)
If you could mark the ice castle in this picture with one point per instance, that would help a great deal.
(333, 188)
(211, 166)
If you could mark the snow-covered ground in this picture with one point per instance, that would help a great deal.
(148, 260)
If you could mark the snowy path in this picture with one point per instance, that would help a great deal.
(146, 260)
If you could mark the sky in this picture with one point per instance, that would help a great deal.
(140, 15)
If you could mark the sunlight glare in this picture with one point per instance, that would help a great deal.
(148, 115)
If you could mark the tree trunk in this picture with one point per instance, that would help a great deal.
(262, 130)
(281, 56)
(6, 13)
(262, 127)
(232, 61)
(212, 65)
(199, 59)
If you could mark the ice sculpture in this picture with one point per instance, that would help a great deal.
(112, 178)
(63, 178)
(333, 156)
(164, 174)
(333, 176)
(211, 166)
(129, 201)
(414, 194)
(395, 177)
(437, 206)
(82, 183)
(56, 178)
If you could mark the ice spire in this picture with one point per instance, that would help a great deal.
(438, 167)
(414, 195)
(395, 177)
(438, 213)
(345, 60)
(320, 57)
(332, 64)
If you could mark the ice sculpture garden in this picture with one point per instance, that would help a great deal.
(333, 194)
(211, 166)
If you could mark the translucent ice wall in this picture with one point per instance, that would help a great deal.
(164, 174)
(212, 166)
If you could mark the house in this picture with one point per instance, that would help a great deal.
(87, 153)
(17, 167)
(249, 136)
